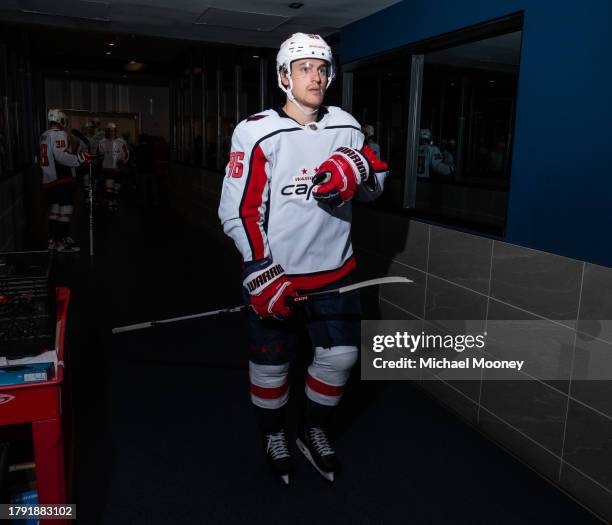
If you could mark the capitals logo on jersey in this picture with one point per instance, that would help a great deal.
(301, 187)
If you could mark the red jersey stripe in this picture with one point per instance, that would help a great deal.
(249, 211)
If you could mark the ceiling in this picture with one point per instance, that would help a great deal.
(263, 23)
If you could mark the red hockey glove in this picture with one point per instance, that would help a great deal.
(338, 177)
(268, 288)
(375, 163)
(85, 157)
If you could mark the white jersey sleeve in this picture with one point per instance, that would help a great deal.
(437, 161)
(244, 195)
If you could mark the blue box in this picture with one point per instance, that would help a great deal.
(34, 372)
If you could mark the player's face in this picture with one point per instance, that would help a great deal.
(309, 77)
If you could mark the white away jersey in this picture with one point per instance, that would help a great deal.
(267, 206)
(55, 158)
(116, 153)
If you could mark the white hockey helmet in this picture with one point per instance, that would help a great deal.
(425, 134)
(111, 125)
(57, 116)
(297, 47)
(368, 130)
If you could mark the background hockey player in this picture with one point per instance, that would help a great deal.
(430, 159)
(116, 156)
(431, 166)
(286, 203)
(57, 163)
(99, 130)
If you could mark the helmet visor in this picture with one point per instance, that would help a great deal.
(308, 69)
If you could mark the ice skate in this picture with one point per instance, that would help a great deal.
(314, 444)
(279, 455)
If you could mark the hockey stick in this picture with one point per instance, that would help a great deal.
(83, 138)
(292, 300)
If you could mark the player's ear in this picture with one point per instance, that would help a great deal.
(284, 78)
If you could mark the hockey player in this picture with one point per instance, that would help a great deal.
(286, 203)
(431, 167)
(92, 136)
(57, 164)
(92, 146)
(430, 160)
(116, 156)
(98, 129)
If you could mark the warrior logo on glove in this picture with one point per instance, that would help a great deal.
(339, 177)
(268, 288)
(256, 284)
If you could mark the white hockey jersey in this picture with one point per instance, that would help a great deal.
(55, 159)
(116, 153)
(430, 159)
(267, 206)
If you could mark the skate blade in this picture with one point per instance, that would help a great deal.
(329, 476)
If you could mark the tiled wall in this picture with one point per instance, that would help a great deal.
(562, 428)
(12, 215)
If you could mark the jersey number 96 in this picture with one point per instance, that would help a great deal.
(235, 165)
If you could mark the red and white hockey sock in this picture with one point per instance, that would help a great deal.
(328, 373)
(269, 385)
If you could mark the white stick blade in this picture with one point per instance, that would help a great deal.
(375, 282)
